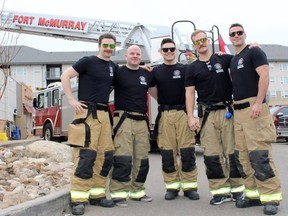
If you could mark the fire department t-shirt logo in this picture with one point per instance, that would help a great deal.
(142, 80)
(240, 63)
(219, 68)
(111, 71)
(176, 74)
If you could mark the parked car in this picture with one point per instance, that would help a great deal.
(282, 129)
(277, 112)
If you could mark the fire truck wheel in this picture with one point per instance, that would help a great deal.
(48, 133)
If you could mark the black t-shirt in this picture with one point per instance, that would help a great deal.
(169, 80)
(244, 76)
(130, 89)
(211, 79)
(95, 78)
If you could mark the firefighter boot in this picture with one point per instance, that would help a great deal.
(192, 194)
(78, 208)
(270, 208)
(245, 203)
(103, 202)
(171, 194)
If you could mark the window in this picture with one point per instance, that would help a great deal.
(36, 69)
(53, 72)
(284, 110)
(272, 79)
(48, 99)
(56, 97)
(20, 71)
(272, 94)
(271, 65)
(284, 67)
(41, 101)
(284, 80)
(284, 94)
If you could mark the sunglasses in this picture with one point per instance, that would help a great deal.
(172, 49)
(111, 46)
(202, 40)
(232, 34)
(209, 66)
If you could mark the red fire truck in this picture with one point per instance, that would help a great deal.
(54, 113)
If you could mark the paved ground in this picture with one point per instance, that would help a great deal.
(56, 204)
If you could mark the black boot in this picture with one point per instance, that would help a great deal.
(78, 208)
(103, 202)
(245, 203)
(270, 208)
(192, 194)
(171, 194)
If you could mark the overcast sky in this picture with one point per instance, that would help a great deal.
(265, 22)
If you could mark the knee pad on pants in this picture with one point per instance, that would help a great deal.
(167, 161)
(188, 159)
(234, 172)
(85, 165)
(260, 162)
(122, 167)
(108, 160)
(239, 165)
(213, 167)
(143, 171)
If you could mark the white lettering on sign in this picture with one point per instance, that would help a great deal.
(46, 21)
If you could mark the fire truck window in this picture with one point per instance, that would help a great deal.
(48, 99)
(41, 101)
(56, 97)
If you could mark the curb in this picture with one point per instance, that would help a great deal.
(55, 204)
(13, 143)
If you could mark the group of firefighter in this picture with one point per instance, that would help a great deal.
(234, 125)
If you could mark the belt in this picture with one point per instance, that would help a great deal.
(93, 107)
(132, 116)
(162, 108)
(215, 107)
(241, 106)
(96, 106)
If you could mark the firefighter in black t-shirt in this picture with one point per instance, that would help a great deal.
(254, 127)
(131, 132)
(175, 139)
(92, 161)
(209, 76)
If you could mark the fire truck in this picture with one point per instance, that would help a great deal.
(53, 112)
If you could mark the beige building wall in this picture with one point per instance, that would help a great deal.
(278, 86)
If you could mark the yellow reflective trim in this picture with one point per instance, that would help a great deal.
(271, 197)
(223, 190)
(174, 185)
(253, 194)
(237, 189)
(137, 194)
(79, 195)
(185, 185)
(119, 195)
(96, 191)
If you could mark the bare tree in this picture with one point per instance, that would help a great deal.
(8, 49)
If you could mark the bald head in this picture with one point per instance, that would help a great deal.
(133, 57)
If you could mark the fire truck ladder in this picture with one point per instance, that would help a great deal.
(46, 25)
